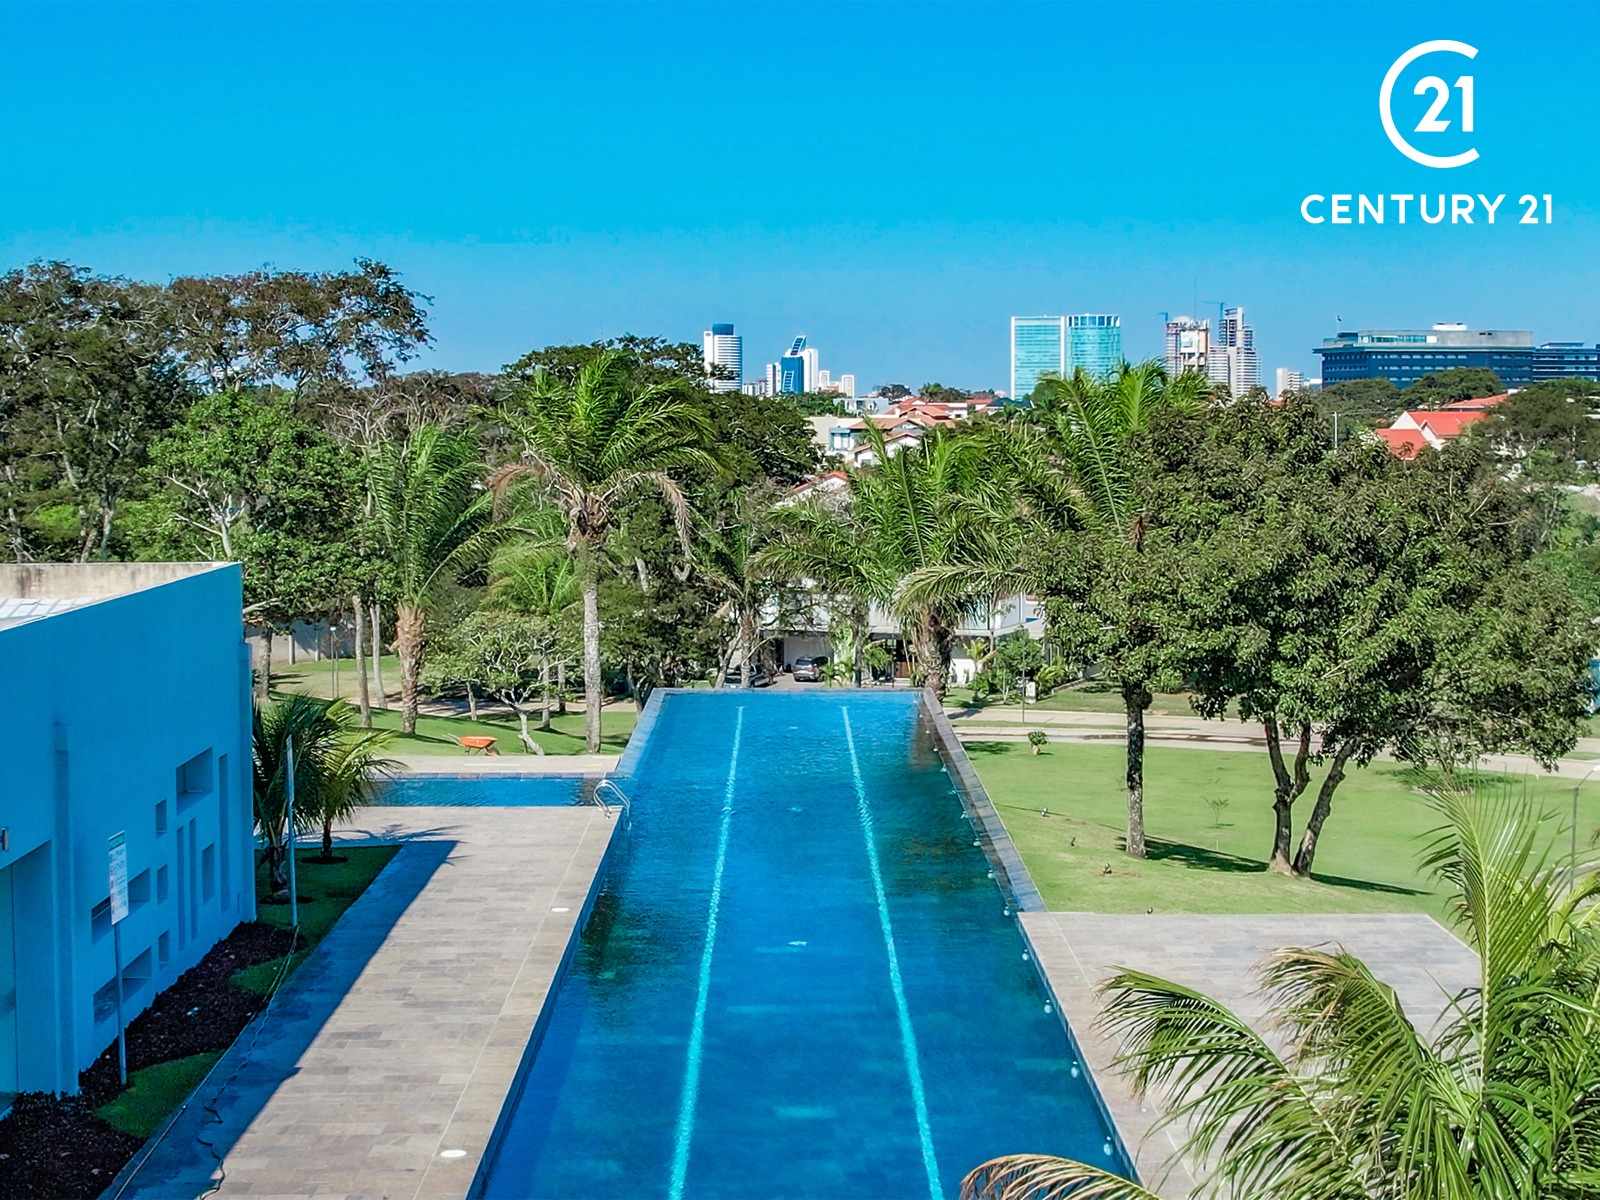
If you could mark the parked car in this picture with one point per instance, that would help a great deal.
(758, 678)
(809, 670)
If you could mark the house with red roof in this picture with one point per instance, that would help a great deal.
(1415, 429)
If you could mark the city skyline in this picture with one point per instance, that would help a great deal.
(904, 281)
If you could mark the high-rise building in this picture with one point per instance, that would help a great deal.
(1188, 346)
(1232, 359)
(792, 368)
(1403, 356)
(1287, 379)
(774, 379)
(1038, 348)
(1094, 342)
(723, 349)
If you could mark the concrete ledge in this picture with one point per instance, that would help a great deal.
(1219, 955)
(1010, 871)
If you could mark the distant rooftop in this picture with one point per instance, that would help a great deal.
(34, 591)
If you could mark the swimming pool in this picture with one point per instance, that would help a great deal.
(798, 981)
(484, 791)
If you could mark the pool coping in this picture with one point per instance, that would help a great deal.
(1011, 872)
(541, 1023)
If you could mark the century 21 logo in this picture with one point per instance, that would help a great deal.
(1434, 120)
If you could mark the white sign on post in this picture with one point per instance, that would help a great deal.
(117, 864)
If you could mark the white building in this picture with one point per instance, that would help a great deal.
(1287, 379)
(1233, 353)
(1188, 346)
(125, 706)
(723, 355)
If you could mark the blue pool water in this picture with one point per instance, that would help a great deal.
(483, 791)
(798, 981)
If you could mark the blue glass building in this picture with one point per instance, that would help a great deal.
(1038, 348)
(1403, 356)
(792, 368)
(1094, 342)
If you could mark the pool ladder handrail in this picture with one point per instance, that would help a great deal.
(624, 803)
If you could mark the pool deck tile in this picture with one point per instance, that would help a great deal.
(1219, 955)
(400, 1035)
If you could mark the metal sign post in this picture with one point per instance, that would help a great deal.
(117, 872)
(288, 820)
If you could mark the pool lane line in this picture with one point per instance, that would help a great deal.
(690, 1098)
(908, 1036)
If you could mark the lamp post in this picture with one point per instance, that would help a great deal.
(288, 821)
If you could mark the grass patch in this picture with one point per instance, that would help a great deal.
(1205, 862)
(326, 890)
(1092, 695)
(155, 1092)
(437, 735)
(315, 677)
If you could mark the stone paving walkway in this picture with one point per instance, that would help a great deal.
(383, 1063)
(1422, 960)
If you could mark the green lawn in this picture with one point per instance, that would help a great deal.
(154, 1092)
(437, 735)
(1093, 695)
(1366, 861)
(325, 889)
(316, 676)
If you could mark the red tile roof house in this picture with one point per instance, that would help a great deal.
(1416, 428)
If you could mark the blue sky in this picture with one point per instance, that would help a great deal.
(893, 180)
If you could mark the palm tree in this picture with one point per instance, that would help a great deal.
(431, 515)
(727, 561)
(1070, 459)
(534, 581)
(335, 767)
(916, 513)
(594, 443)
(1502, 1100)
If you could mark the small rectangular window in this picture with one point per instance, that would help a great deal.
(164, 949)
(208, 873)
(161, 885)
(161, 817)
(195, 779)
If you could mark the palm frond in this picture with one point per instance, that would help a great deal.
(1042, 1177)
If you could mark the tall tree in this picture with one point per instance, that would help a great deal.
(430, 522)
(1356, 604)
(1498, 1101)
(1080, 536)
(543, 587)
(87, 380)
(308, 330)
(594, 440)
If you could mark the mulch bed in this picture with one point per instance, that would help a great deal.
(56, 1147)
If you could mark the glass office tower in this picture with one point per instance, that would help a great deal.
(1038, 348)
(1094, 342)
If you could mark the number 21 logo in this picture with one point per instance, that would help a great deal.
(1432, 121)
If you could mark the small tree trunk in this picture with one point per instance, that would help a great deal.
(327, 837)
(1135, 699)
(408, 630)
(544, 693)
(472, 701)
(1320, 810)
(1286, 790)
(363, 695)
(747, 647)
(593, 695)
(377, 654)
(264, 680)
(561, 688)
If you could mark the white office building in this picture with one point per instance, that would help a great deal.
(1188, 346)
(1232, 360)
(1287, 379)
(723, 355)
